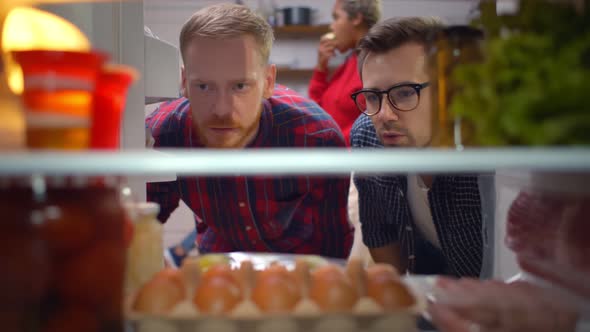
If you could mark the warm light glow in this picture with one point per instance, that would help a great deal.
(28, 28)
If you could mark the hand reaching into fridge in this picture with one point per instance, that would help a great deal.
(469, 305)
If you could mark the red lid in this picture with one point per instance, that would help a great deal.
(66, 63)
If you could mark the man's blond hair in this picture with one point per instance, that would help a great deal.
(227, 21)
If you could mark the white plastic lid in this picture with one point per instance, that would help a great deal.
(143, 209)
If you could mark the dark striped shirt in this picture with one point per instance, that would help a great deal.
(304, 214)
(386, 218)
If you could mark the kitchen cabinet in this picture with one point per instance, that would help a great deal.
(301, 31)
(287, 73)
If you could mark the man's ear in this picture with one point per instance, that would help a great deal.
(357, 20)
(269, 81)
(183, 87)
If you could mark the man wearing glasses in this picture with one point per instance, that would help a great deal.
(419, 223)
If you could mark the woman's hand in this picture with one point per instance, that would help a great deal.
(469, 305)
(325, 52)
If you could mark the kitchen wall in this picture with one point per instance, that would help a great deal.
(165, 18)
(116, 28)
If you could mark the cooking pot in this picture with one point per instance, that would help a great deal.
(297, 15)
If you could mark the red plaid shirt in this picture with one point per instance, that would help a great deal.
(305, 214)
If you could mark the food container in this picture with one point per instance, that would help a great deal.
(449, 48)
(545, 217)
(25, 263)
(397, 322)
(144, 255)
(63, 254)
(184, 316)
(108, 105)
(57, 96)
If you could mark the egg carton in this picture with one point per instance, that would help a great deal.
(399, 321)
(402, 321)
(366, 316)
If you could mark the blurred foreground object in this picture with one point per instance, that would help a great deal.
(30, 28)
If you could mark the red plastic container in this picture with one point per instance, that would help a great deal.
(58, 91)
(110, 96)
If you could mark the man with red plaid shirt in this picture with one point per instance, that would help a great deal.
(231, 101)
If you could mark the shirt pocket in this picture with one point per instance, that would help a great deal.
(281, 216)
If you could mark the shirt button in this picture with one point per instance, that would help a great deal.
(409, 228)
(411, 257)
(242, 204)
(248, 228)
(254, 242)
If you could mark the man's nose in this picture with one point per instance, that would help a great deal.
(387, 111)
(223, 104)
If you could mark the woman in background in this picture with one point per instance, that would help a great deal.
(352, 19)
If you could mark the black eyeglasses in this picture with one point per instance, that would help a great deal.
(404, 97)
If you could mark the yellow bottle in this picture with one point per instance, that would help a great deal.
(145, 253)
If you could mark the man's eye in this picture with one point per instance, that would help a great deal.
(405, 93)
(372, 97)
(240, 86)
(203, 87)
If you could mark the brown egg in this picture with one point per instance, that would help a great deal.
(388, 290)
(161, 294)
(332, 290)
(216, 271)
(218, 292)
(276, 290)
(382, 270)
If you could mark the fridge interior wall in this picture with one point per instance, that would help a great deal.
(117, 28)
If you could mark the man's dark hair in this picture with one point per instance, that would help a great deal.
(395, 32)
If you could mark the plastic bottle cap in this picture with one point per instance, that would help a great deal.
(147, 208)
